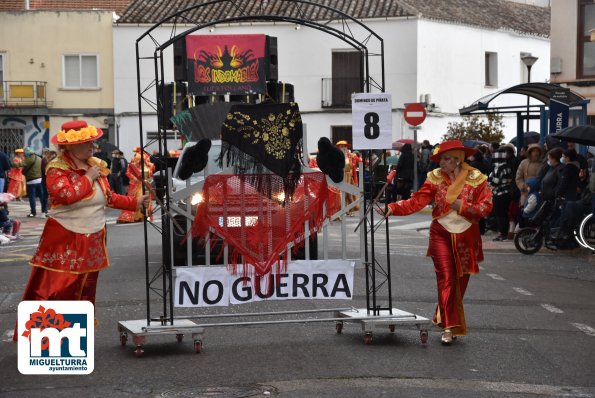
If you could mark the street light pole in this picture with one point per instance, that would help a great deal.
(528, 60)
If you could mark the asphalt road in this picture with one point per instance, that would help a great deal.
(531, 332)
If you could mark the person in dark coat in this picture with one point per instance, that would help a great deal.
(4, 167)
(513, 207)
(550, 174)
(404, 180)
(568, 185)
(569, 189)
(478, 161)
(501, 180)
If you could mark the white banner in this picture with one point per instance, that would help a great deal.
(215, 286)
(372, 121)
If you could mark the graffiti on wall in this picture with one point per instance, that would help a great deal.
(36, 130)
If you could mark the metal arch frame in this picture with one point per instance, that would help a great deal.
(346, 34)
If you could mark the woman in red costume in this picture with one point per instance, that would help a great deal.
(17, 184)
(461, 197)
(350, 176)
(72, 249)
(135, 189)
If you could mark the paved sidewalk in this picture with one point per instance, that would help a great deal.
(30, 227)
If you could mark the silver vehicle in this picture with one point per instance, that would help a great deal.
(212, 167)
(187, 194)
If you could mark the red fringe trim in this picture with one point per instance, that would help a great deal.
(222, 191)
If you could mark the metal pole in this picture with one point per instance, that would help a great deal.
(528, 81)
(415, 183)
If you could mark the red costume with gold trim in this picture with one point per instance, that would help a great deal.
(455, 255)
(17, 184)
(66, 262)
(135, 189)
(350, 176)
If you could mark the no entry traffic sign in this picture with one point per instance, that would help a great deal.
(415, 114)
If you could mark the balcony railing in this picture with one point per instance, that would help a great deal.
(23, 94)
(336, 91)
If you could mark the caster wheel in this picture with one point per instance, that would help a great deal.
(339, 327)
(198, 346)
(123, 339)
(139, 351)
(179, 337)
(391, 328)
(423, 336)
(368, 338)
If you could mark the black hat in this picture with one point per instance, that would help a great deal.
(194, 159)
(330, 160)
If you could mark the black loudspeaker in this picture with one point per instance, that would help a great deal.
(243, 98)
(164, 93)
(208, 99)
(271, 58)
(280, 92)
(166, 96)
(180, 71)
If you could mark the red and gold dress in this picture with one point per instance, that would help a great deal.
(455, 241)
(72, 248)
(135, 189)
(334, 198)
(17, 184)
(350, 176)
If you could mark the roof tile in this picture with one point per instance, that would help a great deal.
(58, 5)
(492, 14)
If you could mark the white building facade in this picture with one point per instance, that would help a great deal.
(448, 64)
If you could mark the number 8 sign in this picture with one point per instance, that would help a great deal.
(372, 121)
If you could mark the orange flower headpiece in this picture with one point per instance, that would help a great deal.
(76, 132)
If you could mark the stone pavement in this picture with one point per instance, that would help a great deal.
(30, 227)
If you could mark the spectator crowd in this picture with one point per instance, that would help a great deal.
(551, 177)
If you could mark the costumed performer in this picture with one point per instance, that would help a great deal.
(17, 185)
(461, 196)
(135, 189)
(72, 249)
(350, 176)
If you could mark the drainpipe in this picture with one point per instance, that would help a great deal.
(26, 4)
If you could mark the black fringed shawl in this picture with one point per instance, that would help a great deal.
(261, 138)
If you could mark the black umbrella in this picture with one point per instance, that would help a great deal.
(580, 134)
(474, 143)
(531, 137)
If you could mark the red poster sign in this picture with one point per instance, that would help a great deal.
(220, 64)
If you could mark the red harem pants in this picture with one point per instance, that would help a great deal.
(45, 284)
(451, 289)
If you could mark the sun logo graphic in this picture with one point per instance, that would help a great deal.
(56, 337)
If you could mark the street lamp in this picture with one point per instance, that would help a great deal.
(528, 60)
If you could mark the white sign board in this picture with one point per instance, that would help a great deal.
(372, 121)
(215, 286)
